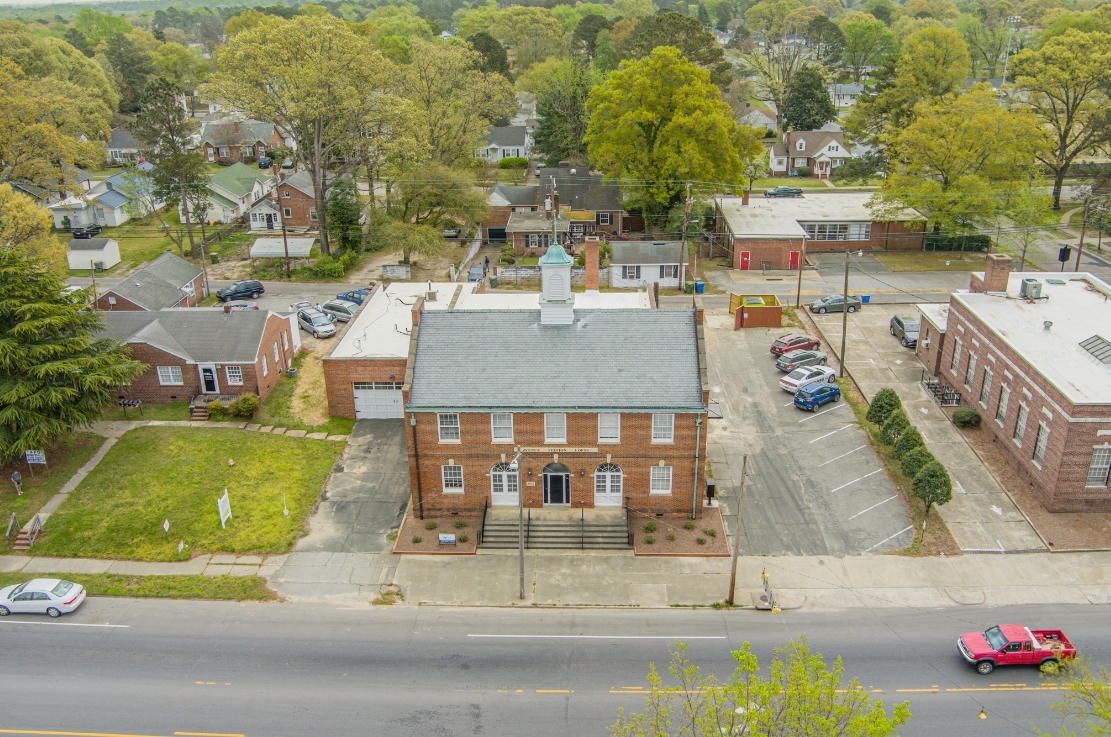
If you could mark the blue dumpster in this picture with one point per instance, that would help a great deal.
(865, 298)
(700, 287)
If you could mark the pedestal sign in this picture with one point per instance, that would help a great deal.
(225, 509)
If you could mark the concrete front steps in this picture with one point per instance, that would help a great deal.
(571, 529)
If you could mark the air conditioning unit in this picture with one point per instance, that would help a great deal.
(98, 265)
(1030, 289)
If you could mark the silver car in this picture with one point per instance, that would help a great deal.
(50, 596)
(316, 322)
(340, 309)
(792, 360)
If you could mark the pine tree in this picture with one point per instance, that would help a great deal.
(808, 106)
(55, 376)
(343, 215)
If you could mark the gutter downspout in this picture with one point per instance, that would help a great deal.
(697, 447)
(416, 461)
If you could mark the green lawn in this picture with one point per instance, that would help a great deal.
(277, 410)
(170, 411)
(63, 460)
(177, 473)
(224, 588)
(803, 182)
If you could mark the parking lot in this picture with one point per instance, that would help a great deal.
(813, 487)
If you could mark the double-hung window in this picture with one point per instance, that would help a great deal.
(661, 480)
(609, 428)
(265, 367)
(1100, 466)
(970, 371)
(605, 218)
(555, 427)
(449, 427)
(985, 388)
(1001, 410)
(1020, 424)
(277, 356)
(1040, 442)
(956, 362)
(453, 479)
(669, 271)
(630, 272)
(663, 428)
(234, 374)
(501, 427)
(169, 376)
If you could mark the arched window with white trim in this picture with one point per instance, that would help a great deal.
(608, 480)
(505, 486)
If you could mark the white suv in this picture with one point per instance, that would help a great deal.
(316, 322)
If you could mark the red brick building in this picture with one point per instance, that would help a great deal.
(168, 281)
(1032, 353)
(204, 352)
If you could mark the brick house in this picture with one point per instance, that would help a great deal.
(931, 336)
(504, 200)
(818, 151)
(592, 206)
(168, 281)
(229, 141)
(1032, 353)
(627, 433)
(778, 232)
(533, 230)
(297, 198)
(204, 351)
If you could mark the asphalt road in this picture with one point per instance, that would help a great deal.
(167, 668)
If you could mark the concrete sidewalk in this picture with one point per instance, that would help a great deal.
(207, 565)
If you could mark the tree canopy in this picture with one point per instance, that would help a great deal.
(561, 108)
(808, 106)
(668, 28)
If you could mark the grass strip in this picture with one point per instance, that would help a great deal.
(217, 588)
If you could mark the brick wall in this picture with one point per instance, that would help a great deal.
(497, 218)
(1060, 480)
(892, 237)
(931, 343)
(340, 373)
(271, 341)
(476, 453)
(298, 204)
(775, 252)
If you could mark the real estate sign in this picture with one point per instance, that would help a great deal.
(224, 505)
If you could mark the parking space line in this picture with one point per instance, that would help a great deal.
(869, 509)
(831, 460)
(842, 486)
(881, 542)
(819, 414)
(830, 433)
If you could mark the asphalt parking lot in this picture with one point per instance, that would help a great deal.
(814, 487)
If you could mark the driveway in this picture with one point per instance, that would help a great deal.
(814, 486)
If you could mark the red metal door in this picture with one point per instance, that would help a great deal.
(794, 260)
(745, 257)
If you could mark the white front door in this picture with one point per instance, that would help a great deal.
(607, 485)
(378, 400)
(505, 486)
(209, 382)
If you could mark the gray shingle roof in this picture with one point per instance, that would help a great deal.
(519, 195)
(113, 199)
(158, 285)
(122, 140)
(198, 335)
(172, 269)
(88, 244)
(224, 132)
(505, 359)
(580, 190)
(507, 135)
(647, 252)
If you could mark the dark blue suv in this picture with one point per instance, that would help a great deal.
(815, 395)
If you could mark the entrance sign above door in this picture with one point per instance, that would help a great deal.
(553, 449)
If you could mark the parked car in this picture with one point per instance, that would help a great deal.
(834, 303)
(50, 596)
(792, 360)
(805, 376)
(794, 342)
(241, 289)
(783, 191)
(354, 295)
(340, 309)
(905, 328)
(477, 272)
(287, 164)
(230, 306)
(452, 232)
(265, 162)
(300, 306)
(316, 322)
(87, 231)
(74, 294)
(1013, 644)
(813, 396)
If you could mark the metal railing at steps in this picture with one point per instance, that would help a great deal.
(941, 393)
(528, 528)
(582, 528)
(482, 528)
(34, 531)
(13, 529)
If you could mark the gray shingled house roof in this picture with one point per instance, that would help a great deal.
(172, 269)
(197, 335)
(647, 252)
(122, 140)
(507, 135)
(517, 195)
(157, 285)
(88, 244)
(506, 360)
(579, 189)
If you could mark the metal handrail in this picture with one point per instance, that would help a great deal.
(482, 528)
(13, 529)
(528, 527)
(582, 528)
(34, 531)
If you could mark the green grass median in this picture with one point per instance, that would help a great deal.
(222, 588)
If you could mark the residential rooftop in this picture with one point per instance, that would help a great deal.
(1078, 306)
(780, 217)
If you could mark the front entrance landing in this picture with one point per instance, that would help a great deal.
(552, 527)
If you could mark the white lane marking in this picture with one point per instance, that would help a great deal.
(830, 433)
(819, 414)
(842, 486)
(831, 460)
(604, 637)
(64, 624)
(869, 509)
(881, 542)
(789, 403)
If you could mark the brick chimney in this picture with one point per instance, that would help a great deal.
(237, 126)
(997, 272)
(591, 246)
(744, 196)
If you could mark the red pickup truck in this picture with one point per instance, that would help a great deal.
(1013, 644)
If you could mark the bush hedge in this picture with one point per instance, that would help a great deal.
(908, 441)
(965, 417)
(968, 242)
(215, 410)
(513, 162)
(883, 404)
(243, 406)
(932, 485)
(893, 427)
(915, 460)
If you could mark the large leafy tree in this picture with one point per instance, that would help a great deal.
(825, 40)
(808, 106)
(55, 375)
(773, 69)
(661, 121)
(586, 33)
(25, 227)
(532, 32)
(42, 57)
(180, 176)
(1066, 84)
(800, 695)
(434, 195)
(766, 19)
(180, 65)
(96, 26)
(344, 212)
(315, 74)
(987, 43)
(561, 107)
(494, 58)
(668, 28)
(868, 43)
(133, 67)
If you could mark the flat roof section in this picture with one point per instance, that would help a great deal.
(936, 314)
(779, 217)
(1079, 307)
(276, 247)
(382, 325)
(531, 301)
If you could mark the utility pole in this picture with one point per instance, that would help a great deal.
(514, 468)
(844, 315)
(1011, 22)
(1083, 228)
(285, 240)
(188, 221)
(737, 535)
(92, 266)
(802, 262)
(687, 203)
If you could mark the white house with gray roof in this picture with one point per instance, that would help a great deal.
(109, 202)
(634, 263)
(503, 142)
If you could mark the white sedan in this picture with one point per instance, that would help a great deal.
(41, 596)
(800, 377)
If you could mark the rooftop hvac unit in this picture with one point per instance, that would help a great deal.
(1030, 289)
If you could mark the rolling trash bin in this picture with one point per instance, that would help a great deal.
(700, 287)
(865, 299)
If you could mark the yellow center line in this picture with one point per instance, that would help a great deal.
(553, 690)
(209, 734)
(918, 690)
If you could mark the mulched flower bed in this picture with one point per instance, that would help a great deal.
(709, 528)
(416, 537)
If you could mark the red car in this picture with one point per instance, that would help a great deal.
(1013, 644)
(793, 342)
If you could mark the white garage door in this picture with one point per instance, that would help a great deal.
(378, 400)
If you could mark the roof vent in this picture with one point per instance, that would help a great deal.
(1047, 325)
(1099, 347)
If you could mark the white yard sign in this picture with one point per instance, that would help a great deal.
(224, 505)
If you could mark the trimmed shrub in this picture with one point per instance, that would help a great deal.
(908, 441)
(215, 410)
(460, 524)
(915, 460)
(243, 406)
(932, 485)
(965, 417)
(688, 525)
(670, 536)
(883, 404)
(463, 537)
(804, 171)
(650, 527)
(896, 422)
(649, 539)
(513, 162)
(417, 539)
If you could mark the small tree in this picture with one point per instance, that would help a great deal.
(932, 485)
(908, 441)
(896, 422)
(344, 211)
(883, 404)
(915, 460)
(422, 240)
(1085, 699)
(966, 417)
